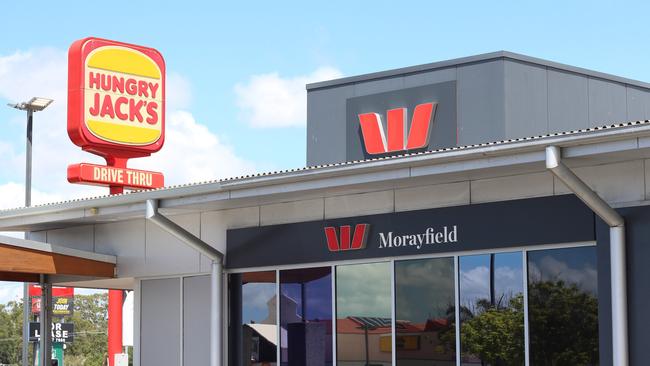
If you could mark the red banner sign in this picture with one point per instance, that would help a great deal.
(35, 290)
(110, 176)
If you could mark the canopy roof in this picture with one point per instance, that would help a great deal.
(24, 260)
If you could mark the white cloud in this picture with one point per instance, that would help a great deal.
(191, 152)
(13, 195)
(475, 283)
(550, 268)
(269, 100)
(10, 291)
(363, 290)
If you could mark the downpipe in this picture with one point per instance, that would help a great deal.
(616, 225)
(216, 274)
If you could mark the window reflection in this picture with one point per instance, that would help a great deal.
(363, 314)
(306, 317)
(563, 306)
(258, 318)
(425, 312)
(491, 309)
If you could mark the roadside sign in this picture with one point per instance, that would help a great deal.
(61, 332)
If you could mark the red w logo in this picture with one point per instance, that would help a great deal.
(337, 242)
(418, 137)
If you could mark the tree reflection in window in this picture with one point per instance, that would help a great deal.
(563, 307)
(491, 309)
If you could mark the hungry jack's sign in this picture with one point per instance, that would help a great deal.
(116, 109)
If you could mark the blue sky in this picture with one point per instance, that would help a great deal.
(236, 70)
(231, 61)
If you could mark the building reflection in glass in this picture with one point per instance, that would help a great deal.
(425, 312)
(363, 314)
(491, 309)
(306, 317)
(563, 306)
(255, 292)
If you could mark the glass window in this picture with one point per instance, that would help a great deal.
(306, 317)
(491, 309)
(425, 312)
(563, 306)
(363, 314)
(254, 304)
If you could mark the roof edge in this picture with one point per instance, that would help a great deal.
(224, 188)
(471, 60)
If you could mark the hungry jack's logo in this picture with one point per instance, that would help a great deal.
(342, 239)
(116, 109)
(396, 139)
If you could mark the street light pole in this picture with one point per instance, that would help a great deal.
(33, 105)
(28, 160)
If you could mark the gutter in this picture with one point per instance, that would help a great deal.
(216, 274)
(616, 225)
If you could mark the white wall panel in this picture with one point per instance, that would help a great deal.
(430, 196)
(512, 187)
(359, 204)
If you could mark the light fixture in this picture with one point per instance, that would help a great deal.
(35, 104)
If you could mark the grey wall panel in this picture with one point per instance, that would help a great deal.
(38, 236)
(326, 127)
(604, 294)
(378, 86)
(638, 256)
(160, 246)
(480, 105)
(124, 239)
(638, 104)
(526, 100)
(568, 101)
(77, 237)
(607, 103)
(196, 318)
(160, 322)
(431, 77)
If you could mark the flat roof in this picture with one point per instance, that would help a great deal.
(472, 60)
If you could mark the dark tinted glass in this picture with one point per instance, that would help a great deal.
(491, 309)
(253, 304)
(306, 317)
(425, 312)
(563, 307)
(363, 314)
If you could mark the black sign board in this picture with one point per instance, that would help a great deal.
(516, 223)
(61, 332)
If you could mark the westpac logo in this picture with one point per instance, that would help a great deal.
(396, 139)
(342, 238)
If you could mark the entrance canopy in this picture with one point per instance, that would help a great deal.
(24, 260)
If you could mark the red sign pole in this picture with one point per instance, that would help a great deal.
(115, 302)
(114, 324)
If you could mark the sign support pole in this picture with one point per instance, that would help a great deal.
(46, 323)
(115, 297)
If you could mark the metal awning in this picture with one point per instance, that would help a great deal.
(24, 260)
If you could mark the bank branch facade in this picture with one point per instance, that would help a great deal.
(489, 210)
